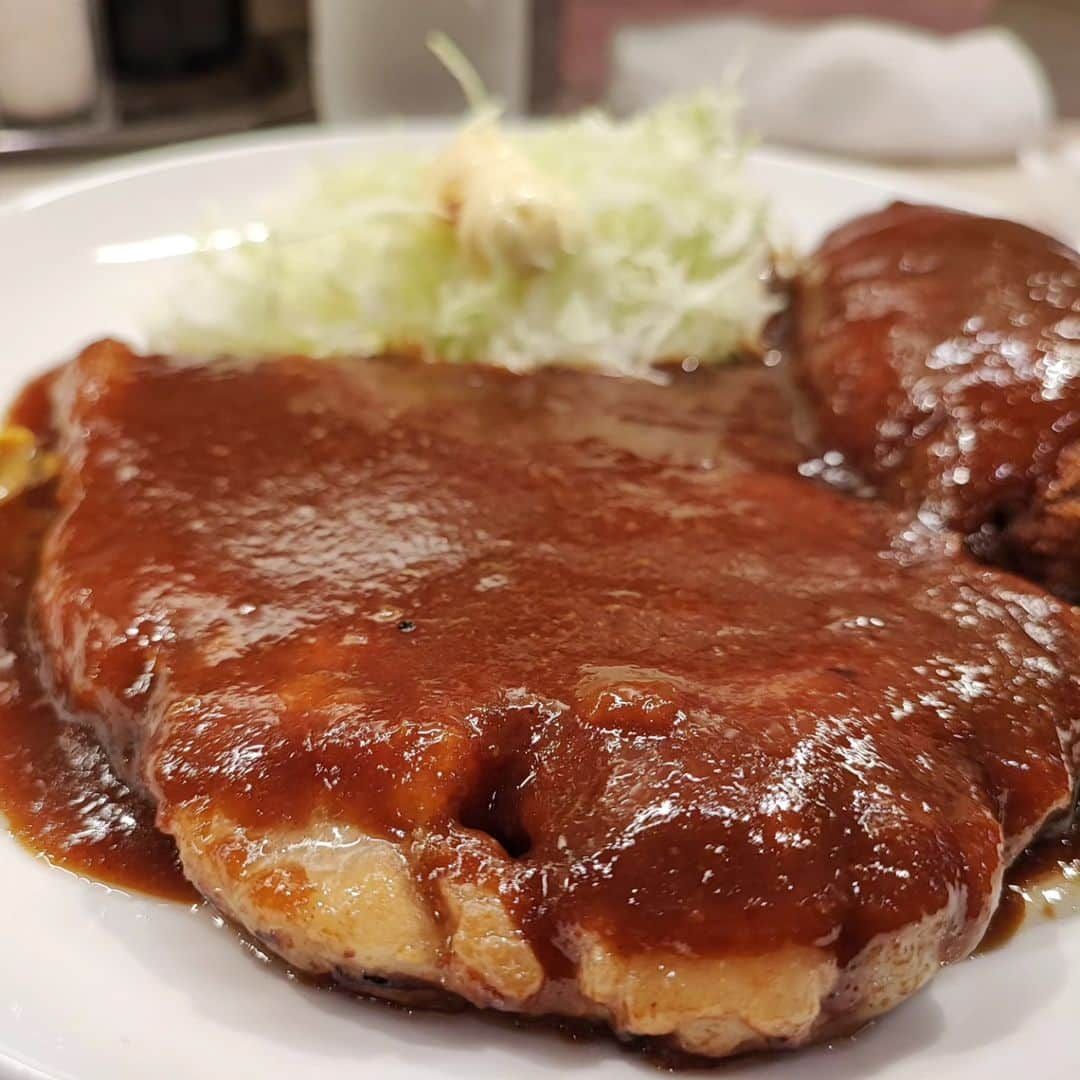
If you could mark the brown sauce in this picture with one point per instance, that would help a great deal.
(937, 348)
(58, 793)
(1044, 882)
(61, 797)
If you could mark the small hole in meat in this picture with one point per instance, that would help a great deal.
(495, 809)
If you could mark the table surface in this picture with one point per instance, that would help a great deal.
(1044, 192)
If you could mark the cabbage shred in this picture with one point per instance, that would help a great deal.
(670, 258)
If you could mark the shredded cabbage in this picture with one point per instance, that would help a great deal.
(667, 256)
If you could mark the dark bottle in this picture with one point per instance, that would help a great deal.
(154, 39)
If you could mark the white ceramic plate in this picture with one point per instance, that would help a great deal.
(99, 985)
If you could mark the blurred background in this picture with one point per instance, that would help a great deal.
(989, 89)
(107, 73)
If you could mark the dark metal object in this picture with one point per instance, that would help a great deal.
(151, 39)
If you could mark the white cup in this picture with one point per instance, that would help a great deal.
(48, 68)
(370, 57)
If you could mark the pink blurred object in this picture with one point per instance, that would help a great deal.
(589, 25)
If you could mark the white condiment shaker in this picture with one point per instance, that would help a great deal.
(48, 68)
(370, 57)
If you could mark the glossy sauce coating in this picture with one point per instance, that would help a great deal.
(58, 792)
(589, 638)
(1043, 882)
(942, 352)
(62, 799)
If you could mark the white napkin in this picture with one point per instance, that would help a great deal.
(849, 86)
